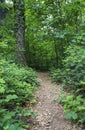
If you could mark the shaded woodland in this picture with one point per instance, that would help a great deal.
(45, 35)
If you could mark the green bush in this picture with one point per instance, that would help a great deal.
(74, 65)
(17, 85)
(73, 78)
(58, 75)
(73, 73)
(74, 107)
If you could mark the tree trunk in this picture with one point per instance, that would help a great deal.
(3, 11)
(20, 31)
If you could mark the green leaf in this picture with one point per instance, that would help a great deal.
(11, 97)
(33, 101)
(9, 115)
(15, 127)
(2, 80)
(2, 90)
(71, 115)
(82, 82)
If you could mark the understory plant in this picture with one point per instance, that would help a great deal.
(72, 76)
(74, 65)
(74, 107)
(17, 86)
(57, 75)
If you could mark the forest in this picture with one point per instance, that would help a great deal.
(41, 36)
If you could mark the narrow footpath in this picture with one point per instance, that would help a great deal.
(50, 112)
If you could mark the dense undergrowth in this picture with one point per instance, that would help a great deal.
(17, 83)
(17, 86)
(72, 77)
(54, 37)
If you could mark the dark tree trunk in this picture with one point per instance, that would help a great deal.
(2, 0)
(3, 11)
(20, 31)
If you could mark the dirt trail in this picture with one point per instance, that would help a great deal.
(50, 113)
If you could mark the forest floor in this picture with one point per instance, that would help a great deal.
(50, 112)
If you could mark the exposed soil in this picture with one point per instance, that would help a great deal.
(50, 112)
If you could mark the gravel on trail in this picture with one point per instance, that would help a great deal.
(50, 112)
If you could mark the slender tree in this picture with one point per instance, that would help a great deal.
(20, 31)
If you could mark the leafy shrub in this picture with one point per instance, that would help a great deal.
(58, 75)
(17, 85)
(7, 39)
(74, 107)
(73, 78)
(73, 74)
(75, 67)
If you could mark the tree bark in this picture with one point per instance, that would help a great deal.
(3, 11)
(20, 31)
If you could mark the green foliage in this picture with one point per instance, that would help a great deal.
(55, 37)
(17, 86)
(51, 29)
(73, 73)
(6, 5)
(74, 66)
(7, 40)
(39, 45)
(57, 75)
(74, 107)
(73, 78)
